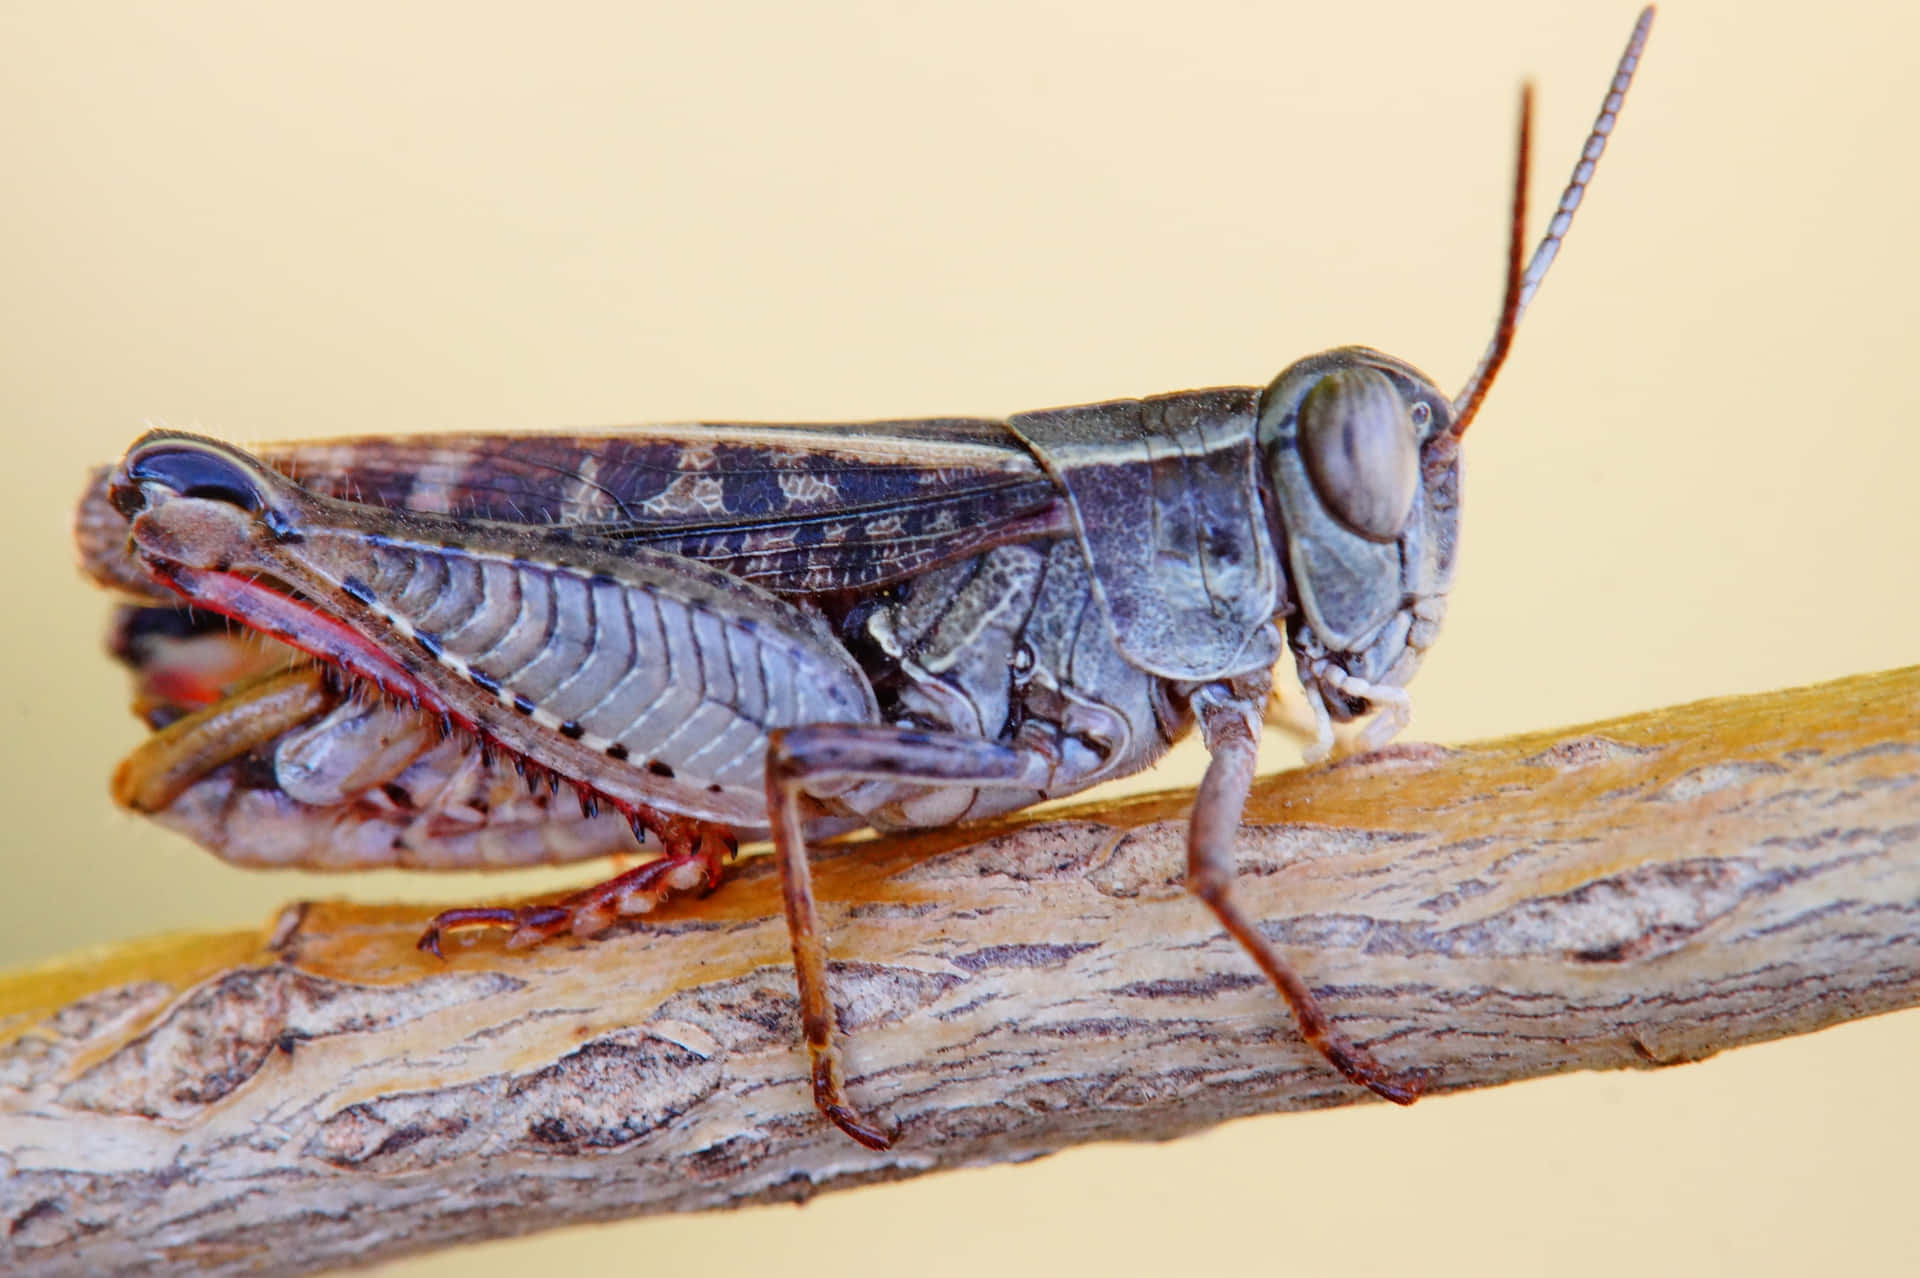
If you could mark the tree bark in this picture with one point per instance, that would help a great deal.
(1634, 893)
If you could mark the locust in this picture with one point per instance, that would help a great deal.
(499, 649)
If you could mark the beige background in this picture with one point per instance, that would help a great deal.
(1696, 478)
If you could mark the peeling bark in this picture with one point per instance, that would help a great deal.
(1635, 893)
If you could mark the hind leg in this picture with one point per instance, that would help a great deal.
(694, 854)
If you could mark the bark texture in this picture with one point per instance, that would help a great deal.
(1634, 893)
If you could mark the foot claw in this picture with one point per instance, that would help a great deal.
(830, 1098)
(472, 916)
(1401, 1089)
(1358, 1066)
(850, 1122)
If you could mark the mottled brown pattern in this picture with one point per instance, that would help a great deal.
(794, 509)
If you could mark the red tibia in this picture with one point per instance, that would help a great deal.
(592, 911)
(297, 624)
(685, 838)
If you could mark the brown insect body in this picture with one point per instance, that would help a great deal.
(797, 630)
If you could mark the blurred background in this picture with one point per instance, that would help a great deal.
(1695, 478)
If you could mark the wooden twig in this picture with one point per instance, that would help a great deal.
(1634, 893)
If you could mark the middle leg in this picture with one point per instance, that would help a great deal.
(815, 758)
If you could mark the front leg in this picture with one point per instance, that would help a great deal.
(1319, 675)
(1230, 716)
(819, 759)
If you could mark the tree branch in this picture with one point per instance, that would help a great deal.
(1635, 893)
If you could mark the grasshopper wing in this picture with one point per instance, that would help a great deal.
(797, 510)
(792, 509)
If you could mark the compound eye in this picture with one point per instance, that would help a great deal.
(1362, 450)
(195, 472)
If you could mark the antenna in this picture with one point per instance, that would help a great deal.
(1521, 285)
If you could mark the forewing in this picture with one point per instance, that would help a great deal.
(793, 509)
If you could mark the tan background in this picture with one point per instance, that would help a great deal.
(1697, 477)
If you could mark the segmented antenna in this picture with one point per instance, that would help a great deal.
(1522, 284)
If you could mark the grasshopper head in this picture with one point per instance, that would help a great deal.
(1362, 460)
(1362, 470)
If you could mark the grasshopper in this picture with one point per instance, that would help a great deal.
(714, 631)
